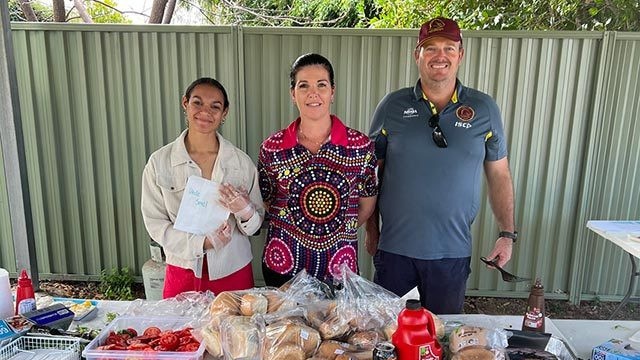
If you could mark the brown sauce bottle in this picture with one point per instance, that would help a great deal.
(534, 316)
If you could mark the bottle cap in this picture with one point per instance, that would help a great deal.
(24, 279)
(413, 304)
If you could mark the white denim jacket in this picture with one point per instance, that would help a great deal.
(163, 182)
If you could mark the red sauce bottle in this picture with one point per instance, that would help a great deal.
(415, 338)
(25, 297)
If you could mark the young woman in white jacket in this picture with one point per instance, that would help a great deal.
(220, 261)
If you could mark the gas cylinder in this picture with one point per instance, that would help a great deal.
(153, 273)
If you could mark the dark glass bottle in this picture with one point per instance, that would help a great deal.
(534, 316)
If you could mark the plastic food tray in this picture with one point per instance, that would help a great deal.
(35, 347)
(140, 323)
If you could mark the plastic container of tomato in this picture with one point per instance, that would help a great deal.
(140, 324)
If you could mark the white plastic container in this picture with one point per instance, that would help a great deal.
(37, 347)
(140, 323)
(6, 298)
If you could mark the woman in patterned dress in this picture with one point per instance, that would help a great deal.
(318, 181)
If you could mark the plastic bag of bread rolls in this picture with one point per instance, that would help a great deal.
(479, 353)
(365, 340)
(368, 305)
(225, 304)
(324, 316)
(305, 289)
(284, 333)
(240, 338)
(335, 350)
(211, 339)
(467, 336)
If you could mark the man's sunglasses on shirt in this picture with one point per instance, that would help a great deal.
(437, 135)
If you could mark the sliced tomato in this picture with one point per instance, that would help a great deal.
(191, 347)
(152, 331)
(169, 341)
(138, 347)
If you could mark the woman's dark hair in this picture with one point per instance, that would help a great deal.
(207, 81)
(308, 60)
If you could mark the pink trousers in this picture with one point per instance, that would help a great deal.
(178, 280)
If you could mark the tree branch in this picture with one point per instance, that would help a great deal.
(118, 10)
(58, 11)
(168, 12)
(273, 20)
(25, 5)
(157, 11)
(79, 5)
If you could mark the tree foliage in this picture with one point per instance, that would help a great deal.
(43, 12)
(101, 11)
(612, 15)
(599, 15)
(106, 11)
(325, 13)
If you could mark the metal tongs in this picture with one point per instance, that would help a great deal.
(506, 276)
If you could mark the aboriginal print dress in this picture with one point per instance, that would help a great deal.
(313, 199)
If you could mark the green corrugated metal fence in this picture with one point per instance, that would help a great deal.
(97, 100)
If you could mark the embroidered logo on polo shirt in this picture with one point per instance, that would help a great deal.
(410, 112)
(465, 113)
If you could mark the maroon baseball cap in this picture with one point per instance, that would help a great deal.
(439, 26)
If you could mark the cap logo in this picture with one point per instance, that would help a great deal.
(436, 25)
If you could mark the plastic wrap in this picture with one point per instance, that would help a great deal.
(191, 304)
(478, 343)
(367, 305)
(306, 289)
(241, 338)
(140, 324)
(290, 339)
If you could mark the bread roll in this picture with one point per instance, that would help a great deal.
(240, 337)
(365, 340)
(291, 333)
(274, 300)
(467, 336)
(346, 356)
(286, 352)
(333, 328)
(330, 349)
(389, 329)
(211, 338)
(473, 353)
(439, 325)
(225, 303)
(253, 304)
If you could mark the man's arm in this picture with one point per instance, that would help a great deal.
(500, 186)
(372, 227)
(366, 206)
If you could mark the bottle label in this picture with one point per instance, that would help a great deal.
(426, 353)
(26, 305)
(533, 318)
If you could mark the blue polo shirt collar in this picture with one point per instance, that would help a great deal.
(455, 98)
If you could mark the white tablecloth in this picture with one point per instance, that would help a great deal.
(579, 335)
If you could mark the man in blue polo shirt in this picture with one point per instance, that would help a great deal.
(433, 143)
